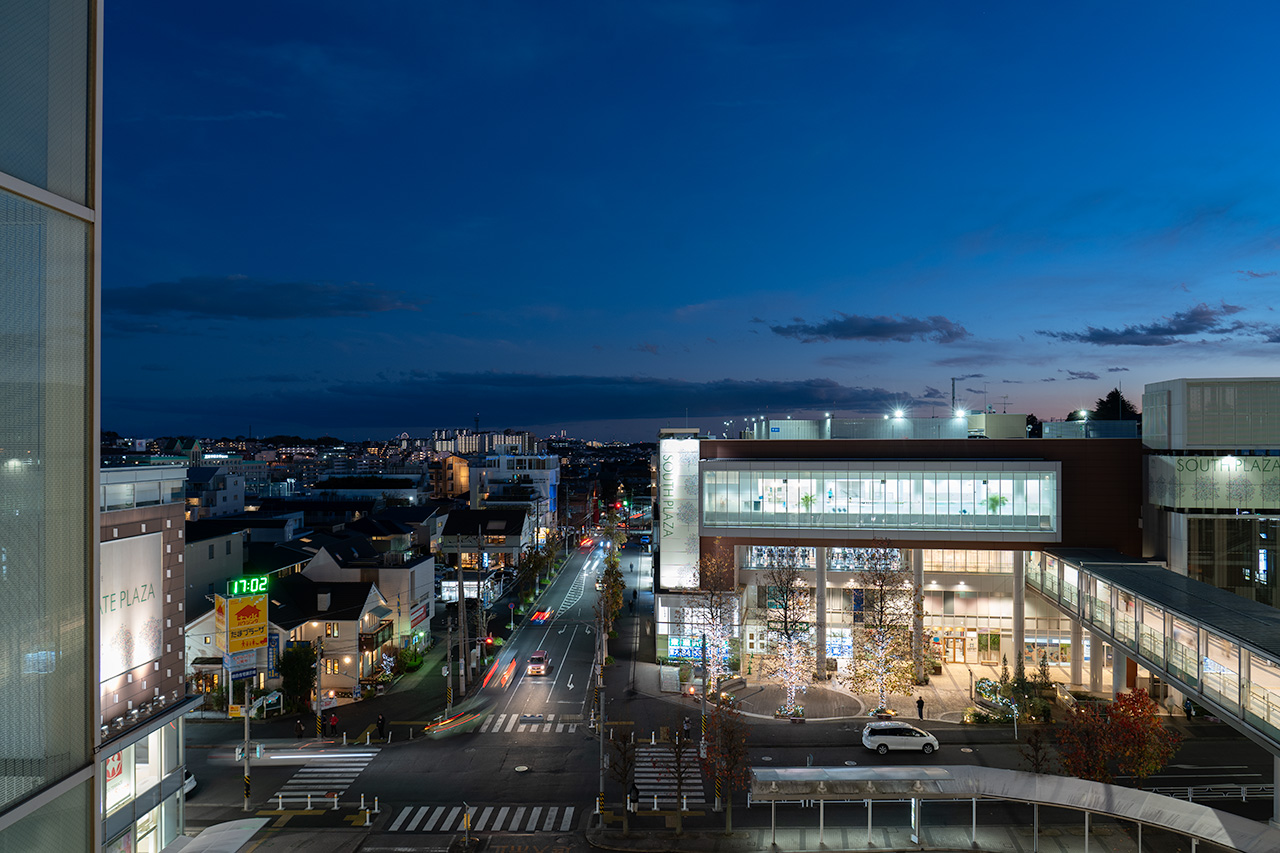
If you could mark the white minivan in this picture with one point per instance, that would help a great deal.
(885, 735)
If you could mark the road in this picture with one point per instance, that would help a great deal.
(528, 762)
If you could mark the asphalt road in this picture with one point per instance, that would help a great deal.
(529, 747)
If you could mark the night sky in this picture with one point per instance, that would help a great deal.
(365, 219)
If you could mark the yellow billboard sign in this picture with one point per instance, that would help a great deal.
(246, 623)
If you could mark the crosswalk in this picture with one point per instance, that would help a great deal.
(326, 775)
(523, 818)
(507, 723)
(655, 775)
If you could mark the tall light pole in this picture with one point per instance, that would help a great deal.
(319, 708)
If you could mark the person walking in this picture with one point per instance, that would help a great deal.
(382, 727)
(299, 730)
(333, 725)
(688, 728)
(920, 707)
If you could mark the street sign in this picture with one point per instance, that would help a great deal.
(235, 711)
(444, 670)
(328, 702)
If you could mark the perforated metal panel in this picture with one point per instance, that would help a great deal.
(44, 94)
(44, 494)
(61, 826)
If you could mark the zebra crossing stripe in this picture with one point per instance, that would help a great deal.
(447, 821)
(484, 818)
(501, 817)
(568, 816)
(533, 819)
(404, 813)
(551, 817)
(515, 818)
(515, 718)
(413, 824)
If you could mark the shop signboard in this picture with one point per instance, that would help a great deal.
(220, 623)
(1215, 482)
(273, 655)
(246, 623)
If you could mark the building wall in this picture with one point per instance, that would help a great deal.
(210, 563)
(49, 197)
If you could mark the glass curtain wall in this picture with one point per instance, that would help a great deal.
(915, 500)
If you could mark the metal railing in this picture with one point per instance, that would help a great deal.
(1200, 793)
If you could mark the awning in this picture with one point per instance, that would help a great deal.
(381, 612)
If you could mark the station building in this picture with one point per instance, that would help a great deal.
(1128, 562)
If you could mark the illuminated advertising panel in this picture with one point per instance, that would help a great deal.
(246, 623)
(130, 612)
(678, 508)
(220, 623)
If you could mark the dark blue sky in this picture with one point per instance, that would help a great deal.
(373, 219)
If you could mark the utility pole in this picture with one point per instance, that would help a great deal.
(462, 624)
(448, 672)
(702, 741)
(600, 732)
(245, 711)
(319, 707)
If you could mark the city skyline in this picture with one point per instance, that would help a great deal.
(600, 219)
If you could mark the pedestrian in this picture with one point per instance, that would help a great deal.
(635, 593)
(298, 728)
(382, 727)
(920, 707)
(333, 724)
(631, 607)
(688, 728)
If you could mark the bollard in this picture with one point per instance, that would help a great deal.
(344, 738)
(653, 738)
(279, 803)
(388, 737)
(366, 738)
(362, 802)
(410, 732)
(367, 820)
(376, 810)
(308, 802)
(335, 802)
(655, 802)
(684, 802)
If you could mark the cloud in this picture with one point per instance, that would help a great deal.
(1199, 320)
(931, 393)
(1079, 374)
(417, 399)
(652, 349)
(1117, 370)
(244, 298)
(1253, 274)
(854, 327)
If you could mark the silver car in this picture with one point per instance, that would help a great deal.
(885, 735)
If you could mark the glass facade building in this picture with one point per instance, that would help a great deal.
(49, 97)
(1014, 497)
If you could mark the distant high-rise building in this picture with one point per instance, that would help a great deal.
(50, 107)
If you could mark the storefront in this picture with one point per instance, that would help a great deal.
(140, 779)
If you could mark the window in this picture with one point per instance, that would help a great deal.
(210, 552)
(331, 629)
(228, 547)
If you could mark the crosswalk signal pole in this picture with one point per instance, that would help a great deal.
(600, 797)
(319, 708)
(448, 673)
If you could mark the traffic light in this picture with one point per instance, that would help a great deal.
(488, 641)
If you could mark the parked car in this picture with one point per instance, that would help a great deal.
(188, 782)
(884, 735)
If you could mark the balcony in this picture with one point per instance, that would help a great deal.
(371, 641)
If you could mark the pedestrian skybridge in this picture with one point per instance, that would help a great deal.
(1219, 649)
(822, 785)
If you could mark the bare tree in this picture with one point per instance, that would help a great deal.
(623, 767)
(885, 655)
(715, 617)
(788, 622)
(727, 761)
(683, 762)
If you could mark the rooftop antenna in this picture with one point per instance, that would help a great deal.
(1005, 408)
(953, 393)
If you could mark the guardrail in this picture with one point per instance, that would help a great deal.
(1198, 793)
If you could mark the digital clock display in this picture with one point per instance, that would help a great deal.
(247, 586)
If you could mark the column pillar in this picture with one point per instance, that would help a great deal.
(1119, 672)
(1077, 651)
(917, 611)
(1019, 608)
(1097, 657)
(1275, 794)
(820, 594)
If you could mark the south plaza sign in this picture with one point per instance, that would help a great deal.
(1215, 482)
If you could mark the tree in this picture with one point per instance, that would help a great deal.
(1036, 751)
(727, 761)
(717, 616)
(1114, 407)
(886, 656)
(1140, 741)
(1034, 428)
(1083, 743)
(683, 755)
(787, 622)
(298, 676)
(623, 767)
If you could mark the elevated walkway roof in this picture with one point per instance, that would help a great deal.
(956, 782)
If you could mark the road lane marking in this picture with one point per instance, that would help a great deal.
(422, 812)
(533, 819)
